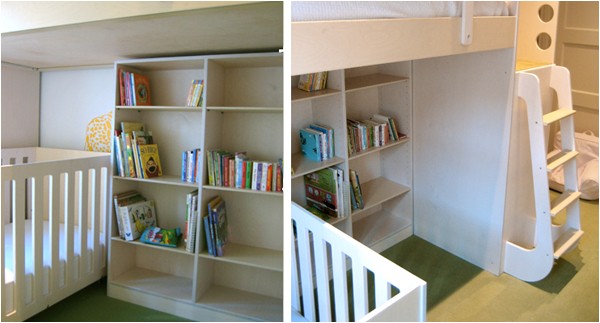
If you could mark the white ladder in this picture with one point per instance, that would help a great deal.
(552, 240)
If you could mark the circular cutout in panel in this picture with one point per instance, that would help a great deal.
(544, 41)
(546, 13)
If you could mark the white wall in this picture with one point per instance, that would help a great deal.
(69, 99)
(20, 106)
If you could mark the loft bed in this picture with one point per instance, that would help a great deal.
(383, 32)
(456, 62)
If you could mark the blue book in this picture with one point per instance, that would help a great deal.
(209, 240)
(310, 143)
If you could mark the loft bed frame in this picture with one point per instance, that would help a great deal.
(464, 46)
(317, 44)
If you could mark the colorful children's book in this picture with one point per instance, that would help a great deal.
(321, 188)
(141, 85)
(150, 160)
(136, 217)
(310, 143)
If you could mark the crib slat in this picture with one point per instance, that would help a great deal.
(84, 189)
(383, 291)
(306, 273)
(37, 236)
(5, 212)
(18, 212)
(295, 290)
(101, 220)
(340, 286)
(71, 207)
(359, 285)
(321, 270)
(94, 215)
(56, 209)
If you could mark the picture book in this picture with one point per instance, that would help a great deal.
(123, 199)
(218, 226)
(322, 189)
(150, 160)
(136, 217)
(310, 143)
(141, 85)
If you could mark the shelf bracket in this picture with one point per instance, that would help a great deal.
(466, 32)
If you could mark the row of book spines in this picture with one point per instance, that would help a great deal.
(313, 82)
(128, 82)
(190, 165)
(129, 156)
(195, 96)
(236, 171)
(191, 221)
(376, 132)
(216, 227)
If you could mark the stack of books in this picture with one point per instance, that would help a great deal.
(190, 165)
(317, 142)
(134, 89)
(194, 98)
(134, 213)
(312, 82)
(215, 227)
(326, 193)
(135, 153)
(235, 170)
(375, 132)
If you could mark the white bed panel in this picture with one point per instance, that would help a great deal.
(347, 10)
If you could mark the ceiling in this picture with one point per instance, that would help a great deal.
(254, 27)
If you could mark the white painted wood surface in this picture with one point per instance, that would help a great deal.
(530, 252)
(379, 41)
(318, 247)
(60, 191)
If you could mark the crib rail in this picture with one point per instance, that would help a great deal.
(323, 256)
(69, 193)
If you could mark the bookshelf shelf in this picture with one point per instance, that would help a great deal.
(241, 110)
(240, 190)
(300, 95)
(303, 165)
(246, 109)
(372, 80)
(159, 108)
(156, 283)
(245, 305)
(250, 256)
(385, 173)
(377, 191)
(377, 149)
(179, 249)
(162, 180)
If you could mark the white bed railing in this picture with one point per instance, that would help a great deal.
(39, 199)
(320, 256)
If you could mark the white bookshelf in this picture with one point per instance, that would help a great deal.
(385, 173)
(242, 111)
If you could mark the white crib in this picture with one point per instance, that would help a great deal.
(54, 209)
(326, 252)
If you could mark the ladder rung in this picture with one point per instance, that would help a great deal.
(560, 158)
(557, 115)
(564, 200)
(567, 240)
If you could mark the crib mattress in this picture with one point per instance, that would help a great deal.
(47, 255)
(345, 10)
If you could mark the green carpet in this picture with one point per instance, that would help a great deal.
(92, 305)
(460, 291)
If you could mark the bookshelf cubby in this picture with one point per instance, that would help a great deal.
(242, 110)
(385, 172)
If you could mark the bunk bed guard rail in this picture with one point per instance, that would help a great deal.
(322, 254)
